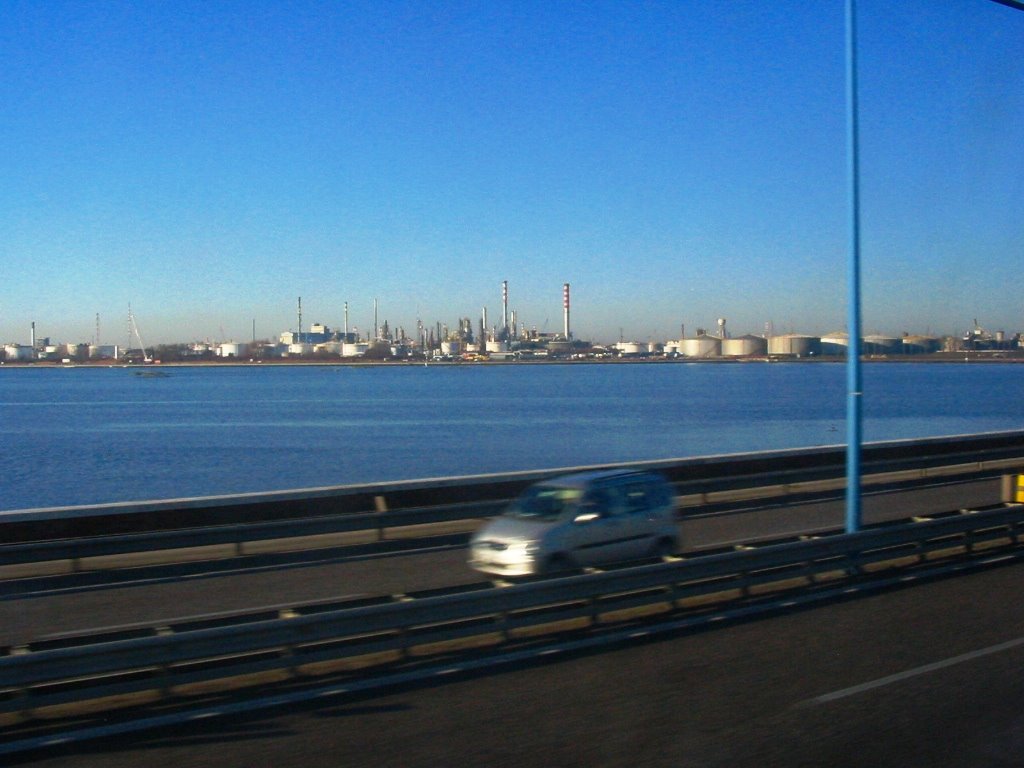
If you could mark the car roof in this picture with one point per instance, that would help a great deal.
(591, 477)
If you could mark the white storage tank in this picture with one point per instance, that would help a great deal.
(497, 346)
(700, 346)
(836, 343)
(231, 349)
(671, 348)
(794, 345)
(298, 350)
(631, 348)
(18, 352)
(451, 348)
(745, 346)
(328, 347)
(354, 349)
(881, 345)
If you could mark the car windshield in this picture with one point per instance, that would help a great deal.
(543, 502)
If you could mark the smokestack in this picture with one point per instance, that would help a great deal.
(483, 328)
(565, 311)
(376, 328)
(504, 307)
(33, 334)
(300, 319)
(346, 321)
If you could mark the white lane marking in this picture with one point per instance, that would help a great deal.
(883, 681)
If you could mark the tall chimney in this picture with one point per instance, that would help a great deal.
(300, 320)
(565, 311)
(33, 334)
(504, 308)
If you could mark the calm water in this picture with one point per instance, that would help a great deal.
(87, 435)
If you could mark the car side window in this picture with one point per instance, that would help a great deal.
(604, 501)
(637, 498)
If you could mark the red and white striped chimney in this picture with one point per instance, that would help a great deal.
(565, 309)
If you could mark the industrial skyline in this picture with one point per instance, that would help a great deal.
(674, 162)
(429, 334)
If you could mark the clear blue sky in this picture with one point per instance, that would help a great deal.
(674, 161)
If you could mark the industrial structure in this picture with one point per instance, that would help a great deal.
(508, 340)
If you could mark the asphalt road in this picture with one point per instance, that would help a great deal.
(22, 620)
(926, 675)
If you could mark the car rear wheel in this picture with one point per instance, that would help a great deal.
(663, 548)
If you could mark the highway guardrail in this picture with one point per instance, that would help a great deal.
(699, 479)
(107, 673)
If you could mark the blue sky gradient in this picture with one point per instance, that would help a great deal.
(674, 161)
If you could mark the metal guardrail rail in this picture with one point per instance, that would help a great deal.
(697, 479)
(239, 540)
(53, 681)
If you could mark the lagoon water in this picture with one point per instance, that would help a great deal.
(94, 435)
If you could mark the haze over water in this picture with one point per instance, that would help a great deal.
(96, 435)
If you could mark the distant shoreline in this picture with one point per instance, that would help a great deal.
(1000, 356)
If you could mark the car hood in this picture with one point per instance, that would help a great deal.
(510, 529)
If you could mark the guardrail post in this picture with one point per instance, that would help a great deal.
(380, 505)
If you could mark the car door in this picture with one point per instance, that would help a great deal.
(641, 526)
(600, 536)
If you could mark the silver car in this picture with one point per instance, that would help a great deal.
(588, 518)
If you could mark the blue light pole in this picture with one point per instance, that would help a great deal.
(853, 375)
(854, 393)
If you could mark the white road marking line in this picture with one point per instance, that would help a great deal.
(883, 681)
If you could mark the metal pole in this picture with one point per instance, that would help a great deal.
(853, 373)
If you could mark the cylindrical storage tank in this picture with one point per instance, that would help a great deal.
(329, 347)
(881, 345)
(837, 343)
(18, 352)
(451, 348)
(298, 350)
(655, 348)
(701, 346)
(354, 349)
(631, 348)
(794, 345)
(231, 349)
(671, 348)
(497, 346)
(920, 345)
(744, 346)
(561, 348)
(102, 351)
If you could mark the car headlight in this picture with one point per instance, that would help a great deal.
(525, 549)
